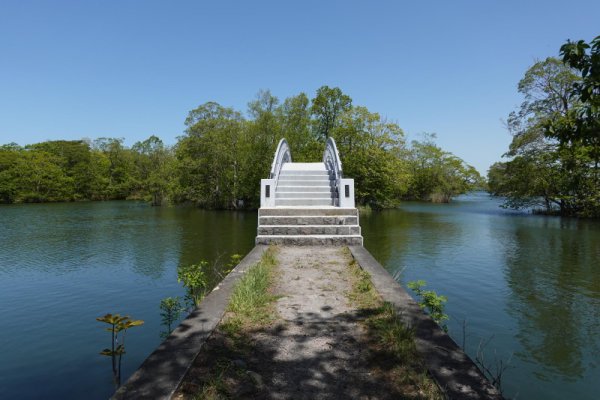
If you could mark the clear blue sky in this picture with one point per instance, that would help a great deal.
(75, 69)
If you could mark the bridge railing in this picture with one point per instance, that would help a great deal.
(267, 186)
(344, 187)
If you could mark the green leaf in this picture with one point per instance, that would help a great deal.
(106, 352)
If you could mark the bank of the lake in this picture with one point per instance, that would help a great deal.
(531, 281)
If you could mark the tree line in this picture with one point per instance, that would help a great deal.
(554, 158)
(72, 170)
(219, 160)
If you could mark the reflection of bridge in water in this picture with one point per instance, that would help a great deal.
(307, 203)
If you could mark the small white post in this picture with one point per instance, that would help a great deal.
(346, 193)
(267, 193)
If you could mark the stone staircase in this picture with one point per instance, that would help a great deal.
(309, 226)
(305, 212)
(304, 184)
(300, 203)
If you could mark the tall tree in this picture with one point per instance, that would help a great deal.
(536, 173)
(294, 114)
(578, 132)
(264, 131)
(119, 164)
(555, 151)
(437, 175)
(369, 148)
(327, 106)
(210, 160)
(39, 178)
(154, 164)
(73, 156)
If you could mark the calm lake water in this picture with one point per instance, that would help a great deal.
(63, 265)
(528, 285)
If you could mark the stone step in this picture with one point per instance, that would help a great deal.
(314, 183)
(278, 230)
(308, 220)
(296, 166)
(290, 188)
(302, 195)
(310, 211)
(311, 240)
(287, 183)
(286, 202)
(296, 173)
(301, 178)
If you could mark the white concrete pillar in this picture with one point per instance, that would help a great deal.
(346, 193)
(267, 193)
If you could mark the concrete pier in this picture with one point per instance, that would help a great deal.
(318, 327)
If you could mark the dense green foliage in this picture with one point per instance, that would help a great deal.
(219, 160)
(438, 175)
(555, 152)
(83, 170)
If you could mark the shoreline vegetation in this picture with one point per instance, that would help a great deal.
(553, 162)
(219, 160)
(552, 167)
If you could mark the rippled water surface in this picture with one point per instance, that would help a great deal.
(528, 284)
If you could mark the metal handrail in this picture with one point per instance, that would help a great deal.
(331, 158)
(282, 156)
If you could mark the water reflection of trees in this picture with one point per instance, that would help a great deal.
(157, 244)
(552, 271)
(156, 237)
(394, 236)
(208, 235)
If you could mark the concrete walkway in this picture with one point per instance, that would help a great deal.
(316, 349)
(317, 355)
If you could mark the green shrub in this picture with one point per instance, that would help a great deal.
(431, 301)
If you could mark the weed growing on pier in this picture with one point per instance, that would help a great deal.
(198, 279)
(431, 301)
(363, 294)
(234, 260)
(494, 370)
(392, 332)
(194, 280)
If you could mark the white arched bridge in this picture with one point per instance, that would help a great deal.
(307, 203)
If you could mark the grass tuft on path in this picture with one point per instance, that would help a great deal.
(251, 299)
